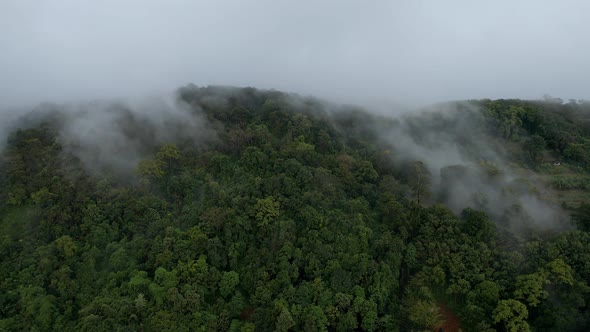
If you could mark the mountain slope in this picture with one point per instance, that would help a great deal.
(242, 210)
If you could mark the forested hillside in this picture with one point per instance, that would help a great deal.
(247, 210)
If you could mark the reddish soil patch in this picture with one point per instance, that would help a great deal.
(246, 314)
(450, 320)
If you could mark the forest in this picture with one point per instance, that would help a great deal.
(238, 209)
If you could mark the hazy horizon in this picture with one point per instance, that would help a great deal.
(402, 52)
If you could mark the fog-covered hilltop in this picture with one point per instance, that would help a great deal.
(238, 209)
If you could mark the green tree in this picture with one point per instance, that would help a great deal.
(284, 321)
(512, 314)
(581, 217)
(228, 283)
(534, 146)
(419, 179)
(530, 288)
(266, 210)
(151, 169)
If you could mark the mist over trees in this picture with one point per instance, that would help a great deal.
(237, 209)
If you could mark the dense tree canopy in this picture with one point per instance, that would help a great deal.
(292, 218)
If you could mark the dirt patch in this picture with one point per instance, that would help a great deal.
(246, 314)
(450, 321)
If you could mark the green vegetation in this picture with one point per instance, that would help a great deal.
(292, 219)
(556, 136)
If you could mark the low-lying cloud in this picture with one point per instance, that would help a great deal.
(109, 137)
(115, 136)
(469, 168)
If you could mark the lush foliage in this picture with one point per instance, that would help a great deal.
(293, 219)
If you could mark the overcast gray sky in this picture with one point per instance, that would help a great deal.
(405, 51)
